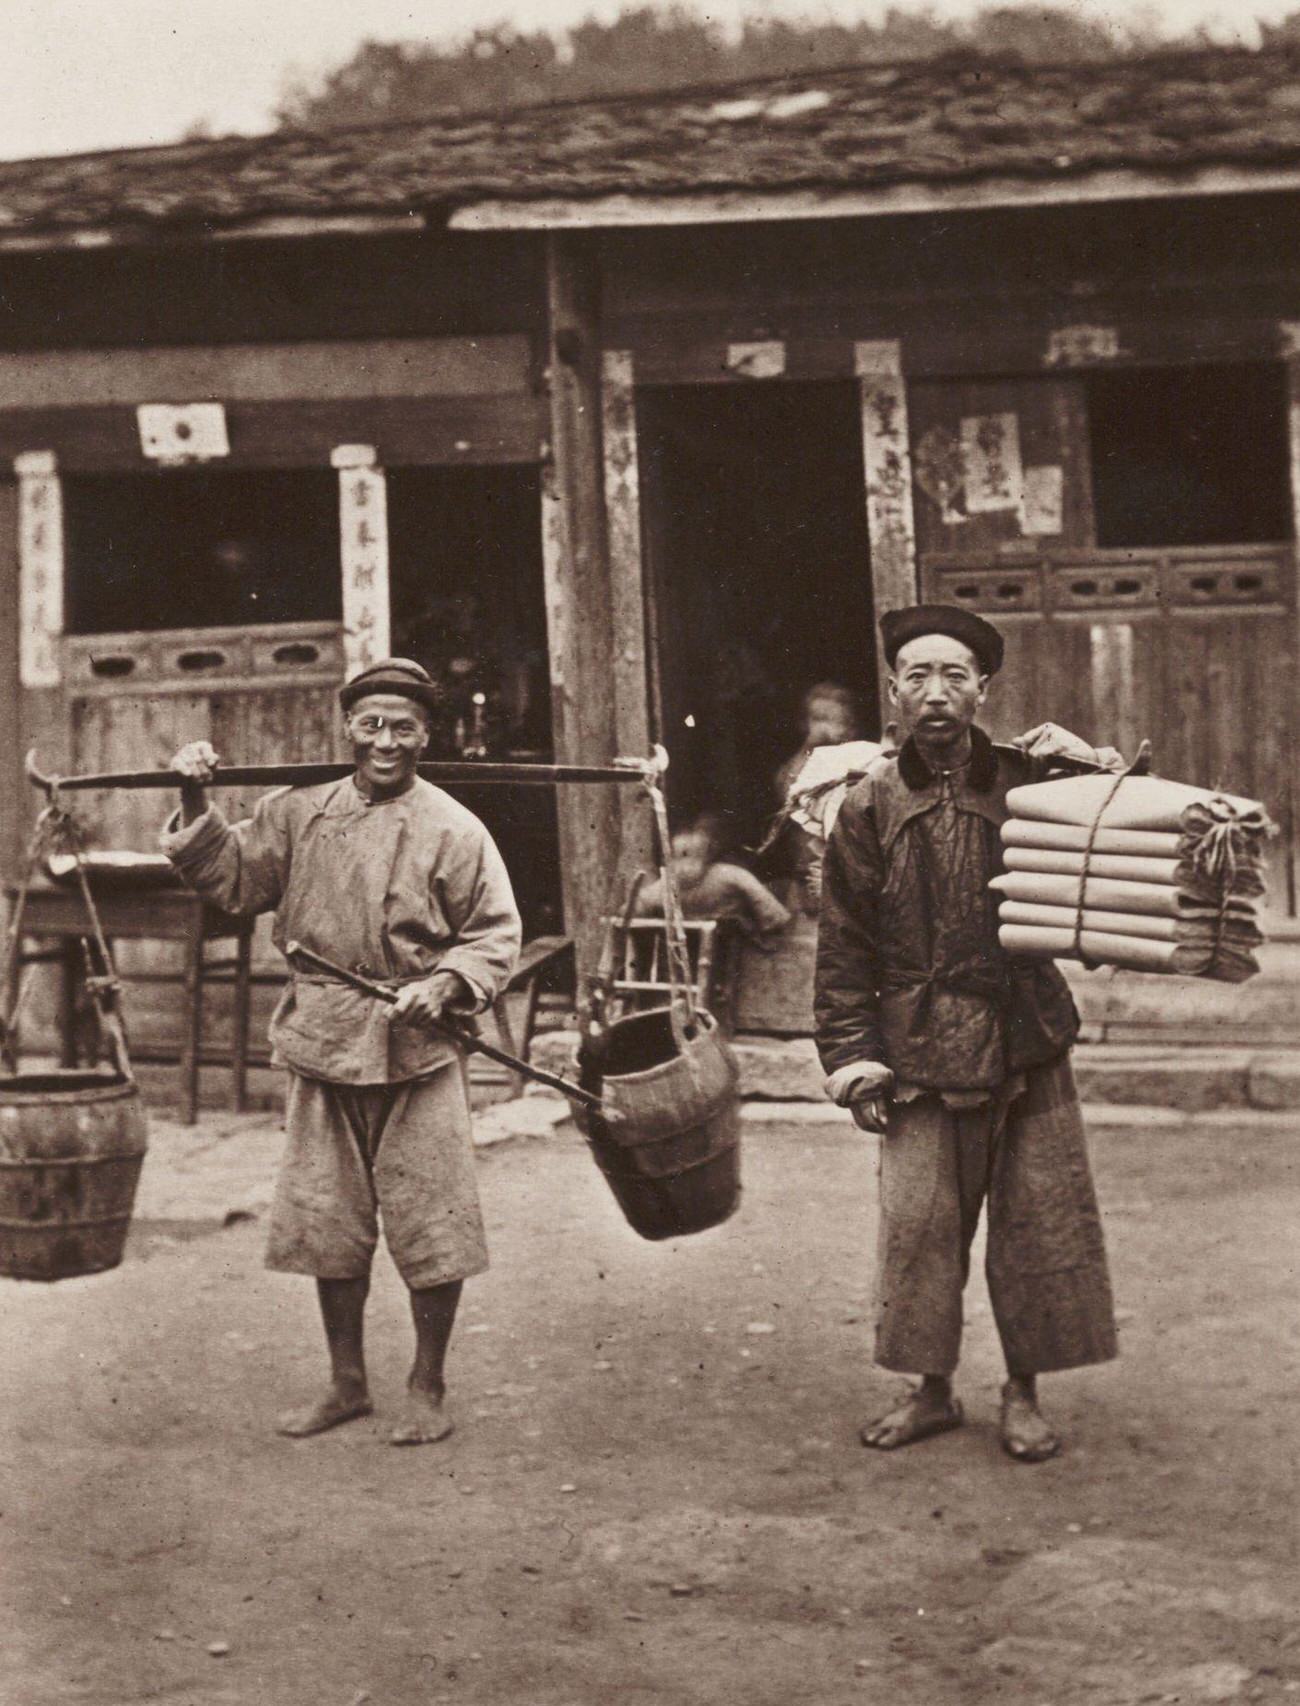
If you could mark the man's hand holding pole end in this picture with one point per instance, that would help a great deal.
(196, 764)
(427, 1001)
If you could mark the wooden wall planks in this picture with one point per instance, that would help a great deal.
(1215, 694)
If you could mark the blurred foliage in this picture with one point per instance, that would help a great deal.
(650, 47)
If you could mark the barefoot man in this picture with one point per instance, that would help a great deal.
(387, 875)
(956, 1053)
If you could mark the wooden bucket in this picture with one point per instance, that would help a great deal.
(672, 1158)
(71, 1148)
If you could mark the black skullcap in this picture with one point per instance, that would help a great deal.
(897, 627)
(392, 675)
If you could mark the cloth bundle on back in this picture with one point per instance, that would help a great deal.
(1136, 872)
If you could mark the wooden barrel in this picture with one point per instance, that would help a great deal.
(672, 1158)
(71, 1148)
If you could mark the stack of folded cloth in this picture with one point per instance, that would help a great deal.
(1140, 872)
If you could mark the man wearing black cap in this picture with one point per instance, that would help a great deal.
(956, 1053)
(387, 875)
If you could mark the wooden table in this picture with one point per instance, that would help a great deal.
(58, 915)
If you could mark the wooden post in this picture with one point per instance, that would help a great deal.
(1290, 338)
(13, 784)
(632, 723)
(363, 555)
(623, 524)
(887, 464)
(594, 632)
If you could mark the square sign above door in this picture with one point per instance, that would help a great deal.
(176, 433)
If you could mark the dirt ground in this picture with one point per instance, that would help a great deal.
(656, 1492)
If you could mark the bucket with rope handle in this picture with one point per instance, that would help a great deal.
(72, 1142)
(672, 1158)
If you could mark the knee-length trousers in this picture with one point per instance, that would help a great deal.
(1025, 1155)
(356, 1153)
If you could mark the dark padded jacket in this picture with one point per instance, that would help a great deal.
(909, 968)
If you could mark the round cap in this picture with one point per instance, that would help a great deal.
(392, 675)
(897, 627)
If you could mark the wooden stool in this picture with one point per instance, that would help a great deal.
(155, 915)
(641, 964)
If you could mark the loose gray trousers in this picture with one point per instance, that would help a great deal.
(1025, 1154)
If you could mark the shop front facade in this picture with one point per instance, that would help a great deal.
(620, 478)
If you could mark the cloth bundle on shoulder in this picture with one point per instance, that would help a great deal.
(1134, 871)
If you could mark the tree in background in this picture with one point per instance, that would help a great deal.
(651, 48)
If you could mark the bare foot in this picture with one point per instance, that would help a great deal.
(340, 1404)
(921, 1415)
(1025, 1435)
(424, 1421)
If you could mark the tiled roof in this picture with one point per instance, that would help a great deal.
(860, 129)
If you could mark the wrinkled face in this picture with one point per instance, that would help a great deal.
(388, 733)
(937, 686)
(830, 722)
(692, 856)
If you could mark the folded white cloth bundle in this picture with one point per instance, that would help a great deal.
(1136, 872)
(1107, 894)
(818, 791)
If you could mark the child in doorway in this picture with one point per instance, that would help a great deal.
(710, 886)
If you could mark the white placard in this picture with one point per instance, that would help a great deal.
(1080, 346)
(990, 447)
(887, 464)
(1042, 501)
(756, 361)
(363, 552)
(40, 569)
(183, 432)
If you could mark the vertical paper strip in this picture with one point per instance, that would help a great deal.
(40, 568)
(1289, 338)
(887, 465)
(363, 553)
(623, 529)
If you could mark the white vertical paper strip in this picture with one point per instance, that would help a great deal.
(40, 568)
(887, 464)
(558, 638)
(363, 552)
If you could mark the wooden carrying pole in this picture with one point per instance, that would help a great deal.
(467, 1039)
(309, 775)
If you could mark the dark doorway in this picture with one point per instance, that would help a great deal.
(755, 511)
(465, 567)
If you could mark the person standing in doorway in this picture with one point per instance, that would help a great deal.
(957, 1054)
(384, 874)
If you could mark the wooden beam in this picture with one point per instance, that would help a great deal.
(11, 752)
(157, 233)
(729, 207)
(578, 595)
(321, 371)
(887, 466)
(623, 524)
(1290, 343)
(406, 432)
(594, 696)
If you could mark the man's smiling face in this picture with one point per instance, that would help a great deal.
(388, 734)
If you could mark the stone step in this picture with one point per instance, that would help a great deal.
(1190, 1078)
(1135, 1007)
